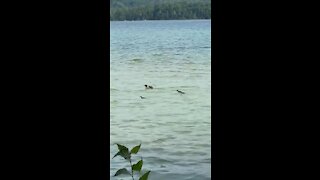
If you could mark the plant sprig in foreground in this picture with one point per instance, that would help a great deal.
(126, 154)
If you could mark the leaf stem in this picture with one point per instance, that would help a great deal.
(131, 168)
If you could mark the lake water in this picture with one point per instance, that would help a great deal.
(174, 129)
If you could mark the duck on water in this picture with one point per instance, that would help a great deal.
(180, 92)
(148, 87)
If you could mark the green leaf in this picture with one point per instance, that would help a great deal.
(138, 166)
(145, 176)
(123, 152)
(122, 171)
(135, 150)
(118, 153)
(121, 147)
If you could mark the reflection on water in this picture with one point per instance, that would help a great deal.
(174, 129)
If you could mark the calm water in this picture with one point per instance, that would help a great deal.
(174, 129)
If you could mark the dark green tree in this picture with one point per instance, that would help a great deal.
(160, 9)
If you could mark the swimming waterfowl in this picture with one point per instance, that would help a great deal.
(148, 87)
(181, 92)
(142, 97)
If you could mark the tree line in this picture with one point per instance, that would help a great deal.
(164, 11)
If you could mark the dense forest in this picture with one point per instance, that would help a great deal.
(159, 9)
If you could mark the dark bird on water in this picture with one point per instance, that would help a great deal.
(148, 87)
(142, 97)
(181, 92)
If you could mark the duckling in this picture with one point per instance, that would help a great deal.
(181, 92)
(148, 87)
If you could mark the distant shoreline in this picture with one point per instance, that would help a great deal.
(160, 9)
(159, 20)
